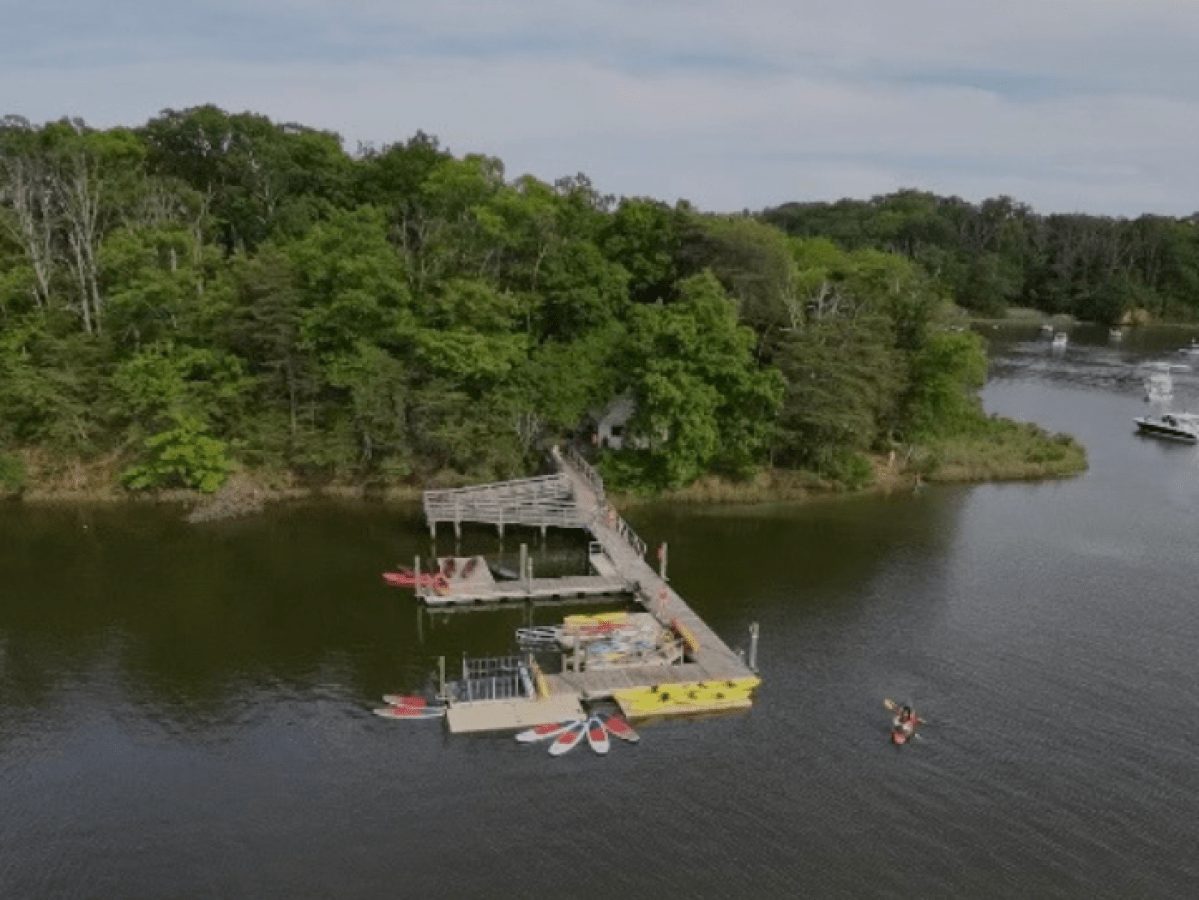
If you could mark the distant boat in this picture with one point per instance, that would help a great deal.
(1060, 340)
(1172, 426)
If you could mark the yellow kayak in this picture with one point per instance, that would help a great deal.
(612, 618)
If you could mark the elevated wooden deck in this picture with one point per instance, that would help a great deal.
(543, 502)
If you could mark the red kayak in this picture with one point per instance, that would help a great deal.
(408, 578)
(409, 700)
(901, 734)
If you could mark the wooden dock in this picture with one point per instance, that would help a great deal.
(575, 497)
(468, 582)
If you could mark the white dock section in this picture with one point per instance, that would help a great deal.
(498, 715)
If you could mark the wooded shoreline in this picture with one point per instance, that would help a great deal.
(211, 294)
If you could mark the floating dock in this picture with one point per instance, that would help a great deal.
(469, 582)
(575, 498)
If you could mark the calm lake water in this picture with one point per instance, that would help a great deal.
(185, 711)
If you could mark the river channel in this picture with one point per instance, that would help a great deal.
(185, 710)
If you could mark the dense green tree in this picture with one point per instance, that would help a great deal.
(700, 398)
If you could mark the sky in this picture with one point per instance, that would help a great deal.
(1066, 105)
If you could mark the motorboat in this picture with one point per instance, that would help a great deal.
(1060, 340)
(1172, 426)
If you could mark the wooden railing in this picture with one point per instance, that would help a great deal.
(544, 501)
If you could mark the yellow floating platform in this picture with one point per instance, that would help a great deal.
(687, 697)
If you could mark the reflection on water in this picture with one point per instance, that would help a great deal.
(185, 711)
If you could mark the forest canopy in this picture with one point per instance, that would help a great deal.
(214, 291)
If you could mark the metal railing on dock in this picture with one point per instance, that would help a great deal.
(609, 516)
(495, 678)
(585, 469)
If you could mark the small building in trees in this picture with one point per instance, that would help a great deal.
(611, 424)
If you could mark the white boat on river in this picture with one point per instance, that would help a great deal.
(1172, 426)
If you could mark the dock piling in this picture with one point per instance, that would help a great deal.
(753, 646)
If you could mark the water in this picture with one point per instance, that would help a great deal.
(185, 710)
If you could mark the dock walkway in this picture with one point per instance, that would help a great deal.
(710, 660)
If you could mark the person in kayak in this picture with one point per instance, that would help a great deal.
(906, 720)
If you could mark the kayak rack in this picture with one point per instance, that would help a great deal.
(494, 678)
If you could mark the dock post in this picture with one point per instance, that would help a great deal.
(499, 523)
(753, 646)
(441, 670)
(524, 565)
(662, 561)
(416, 572)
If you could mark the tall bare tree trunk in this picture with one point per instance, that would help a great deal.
(79, 188)
(25, 185)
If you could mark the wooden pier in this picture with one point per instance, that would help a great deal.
(575, 498)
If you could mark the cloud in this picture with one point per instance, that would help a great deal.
(1076, 105)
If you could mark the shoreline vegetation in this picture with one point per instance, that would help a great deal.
(215, 305)
(1009, 451)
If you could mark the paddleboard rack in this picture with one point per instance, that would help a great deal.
(494, 678)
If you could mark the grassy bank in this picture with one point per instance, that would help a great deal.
(1000, 450)
(995, 449)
